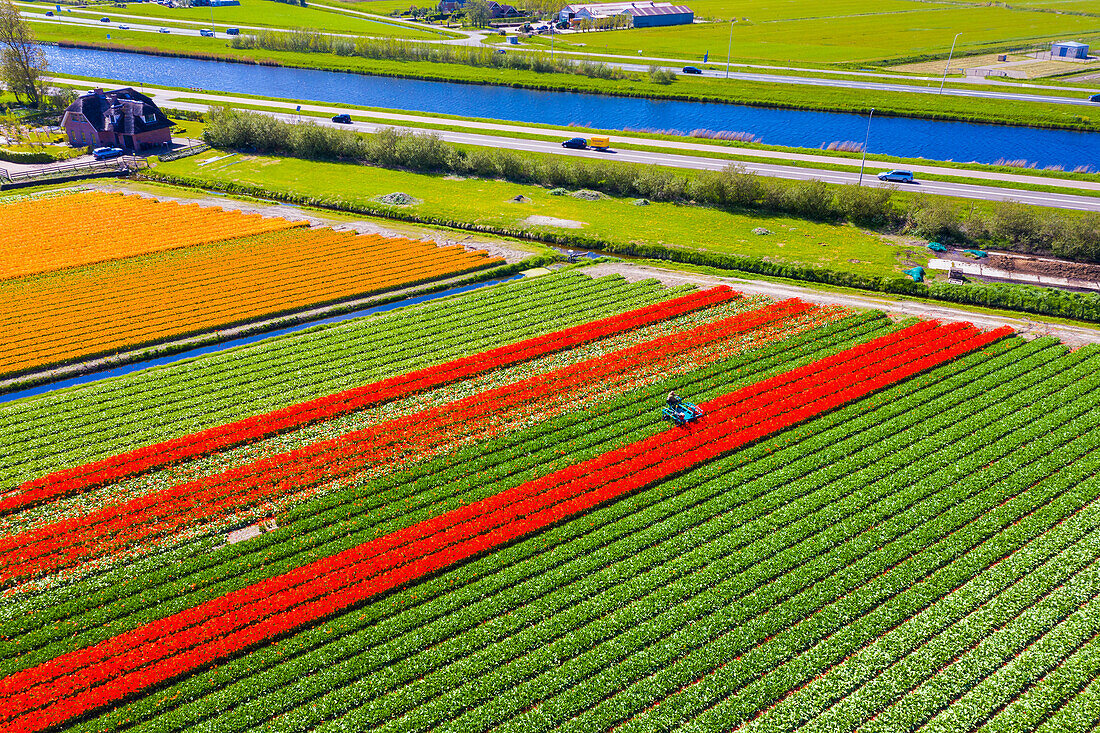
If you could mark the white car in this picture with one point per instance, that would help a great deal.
(123, 27)
(164, 30)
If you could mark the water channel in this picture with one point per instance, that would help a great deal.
(899, 136)
(242, 341)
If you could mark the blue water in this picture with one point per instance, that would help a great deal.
(214, 348)
(898, 136)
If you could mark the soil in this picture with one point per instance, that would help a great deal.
(1043, 266)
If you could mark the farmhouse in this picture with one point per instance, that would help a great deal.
(1069, 50)
(496, 10)
(123, 118)
(644, 14)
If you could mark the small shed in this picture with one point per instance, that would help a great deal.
(1069, 50)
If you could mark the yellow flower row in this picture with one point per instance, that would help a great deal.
(39, 235)
(75, 314)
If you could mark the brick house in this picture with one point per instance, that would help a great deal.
(120, 118)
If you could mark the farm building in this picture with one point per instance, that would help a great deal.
(645, 14)
(122, 117)
(496, 10)
(1069, 50)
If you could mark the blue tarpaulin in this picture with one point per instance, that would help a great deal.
(936, 247)
(975, 253)
(917, 273)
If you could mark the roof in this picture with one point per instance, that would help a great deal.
(124, 111)
(613, 8)
(1071, 44)
(660, 10)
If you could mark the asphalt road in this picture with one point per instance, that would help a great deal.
(672, 160)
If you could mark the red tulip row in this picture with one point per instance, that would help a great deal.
(82, 478)
(68, 541)
(88, 679)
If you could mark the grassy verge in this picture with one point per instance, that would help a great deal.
(762, 94)
(486, 204)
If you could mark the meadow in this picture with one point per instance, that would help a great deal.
(881, 37)
(260, 13)
(480, 201)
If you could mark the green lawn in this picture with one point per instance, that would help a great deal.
(255, 13)
(856, 38)
(488, 202)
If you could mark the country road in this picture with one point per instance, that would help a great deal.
(481, 134)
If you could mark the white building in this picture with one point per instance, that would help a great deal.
(654, 13)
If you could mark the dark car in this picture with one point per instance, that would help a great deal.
(899, 176)
(49, 13)
(692, 70)
(578, 143)
(1095, 98)
(104, 19)
(342, 119)
(106, 153)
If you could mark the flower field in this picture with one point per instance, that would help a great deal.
(100, 309)
(44, 234)
(483, 522)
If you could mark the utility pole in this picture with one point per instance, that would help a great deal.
(866, 139)
(729, 48)
(948, 67)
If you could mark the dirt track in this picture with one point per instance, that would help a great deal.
(1073, 336)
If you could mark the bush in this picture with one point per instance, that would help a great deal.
(934, 217)
(866, 205)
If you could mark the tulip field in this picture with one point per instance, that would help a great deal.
(48, 233)
(471, 515)
(116, 289)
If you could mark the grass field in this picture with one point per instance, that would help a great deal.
(261, 13)
(845, 39)
(486, 202)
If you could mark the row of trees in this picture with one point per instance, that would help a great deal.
(309, 41)
(1007, 225)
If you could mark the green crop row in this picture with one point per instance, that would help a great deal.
(415, 629)
(51, 432)
(978, 489)
(763, 596)
(554, 445)
(86, 612)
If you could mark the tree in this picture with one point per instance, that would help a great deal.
(22, 63)
(478, 13)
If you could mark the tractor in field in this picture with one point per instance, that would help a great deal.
(680, 411)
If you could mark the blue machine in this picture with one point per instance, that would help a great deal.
(682, 413)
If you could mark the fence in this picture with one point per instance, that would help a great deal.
(68, 171)
(184, 152)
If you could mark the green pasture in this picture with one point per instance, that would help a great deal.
(610, 219)
(857, 38)
(264, 13)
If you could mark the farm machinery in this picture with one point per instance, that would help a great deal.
(681, 412)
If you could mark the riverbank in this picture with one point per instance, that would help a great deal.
(636, 85)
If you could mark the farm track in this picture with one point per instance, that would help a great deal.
(352, 516)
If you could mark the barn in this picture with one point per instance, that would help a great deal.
(650, 16)
(1069, 50)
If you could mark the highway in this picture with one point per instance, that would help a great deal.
(692, 162)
